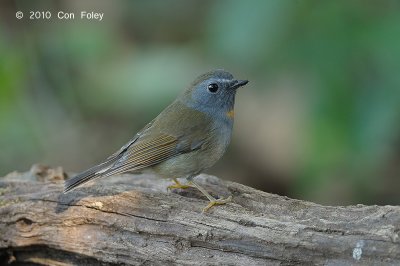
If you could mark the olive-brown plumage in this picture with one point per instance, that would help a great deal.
(190, 135)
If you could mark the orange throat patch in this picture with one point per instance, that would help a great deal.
(230, 114)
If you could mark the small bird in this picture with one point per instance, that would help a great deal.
(188, 136)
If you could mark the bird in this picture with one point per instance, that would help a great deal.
(187, 137)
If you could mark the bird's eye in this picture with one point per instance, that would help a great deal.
(213, 88)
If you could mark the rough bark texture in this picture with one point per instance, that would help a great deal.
(133, 219)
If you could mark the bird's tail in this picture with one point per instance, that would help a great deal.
(86, 176)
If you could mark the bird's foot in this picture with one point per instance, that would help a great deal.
(220, 201)
(178, 185)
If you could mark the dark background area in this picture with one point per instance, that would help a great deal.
(319, 120)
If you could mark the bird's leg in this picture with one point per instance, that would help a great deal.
(213, 201)
(178, 184)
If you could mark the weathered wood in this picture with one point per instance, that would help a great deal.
(133, 219)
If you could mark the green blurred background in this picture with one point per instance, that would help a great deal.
(319, 120)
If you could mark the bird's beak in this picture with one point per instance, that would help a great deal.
(238, 83)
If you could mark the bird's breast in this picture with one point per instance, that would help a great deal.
(220, 137)
(230, 114)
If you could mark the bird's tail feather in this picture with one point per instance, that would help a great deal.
(86, 176)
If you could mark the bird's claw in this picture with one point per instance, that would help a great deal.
(178, 185)
(220, 201)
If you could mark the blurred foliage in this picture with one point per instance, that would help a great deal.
(318, 121)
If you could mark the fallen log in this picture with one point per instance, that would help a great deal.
(133, 219)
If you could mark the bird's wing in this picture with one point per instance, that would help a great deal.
(148, 152)
(177, 130)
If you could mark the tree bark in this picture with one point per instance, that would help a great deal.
(133, 219)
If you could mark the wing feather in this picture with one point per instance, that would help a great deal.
(145, 154)
(158, 141)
